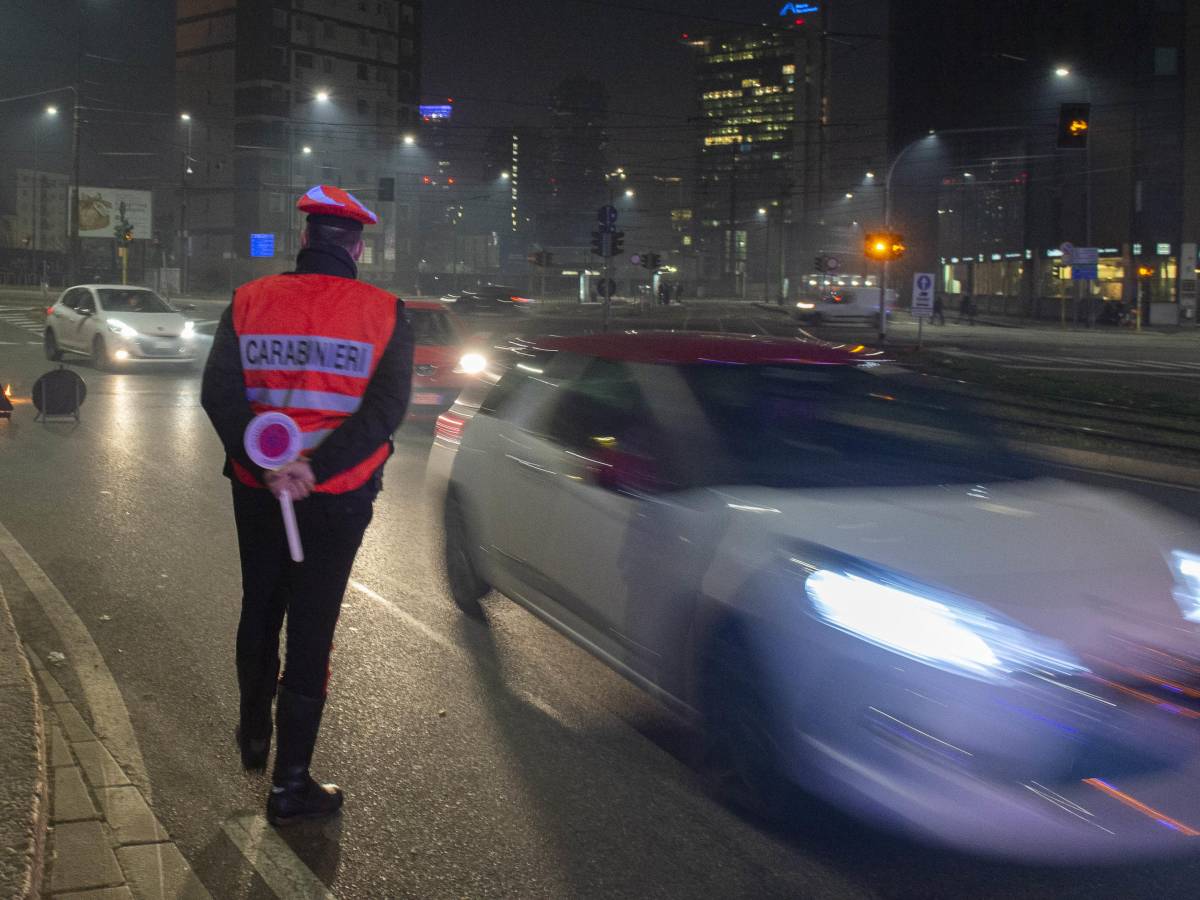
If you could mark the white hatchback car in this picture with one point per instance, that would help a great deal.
(844, 305)
(822, 560)
(117, 325)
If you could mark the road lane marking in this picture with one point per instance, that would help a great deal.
(435, 636)
(109, 714)
(442, 641)
(274, 861)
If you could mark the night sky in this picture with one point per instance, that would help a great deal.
(499, 60)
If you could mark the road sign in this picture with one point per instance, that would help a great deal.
(832, 264)
(262, 245)
(1084, 262)
(922, 295)
(607, 215)
(636, 259)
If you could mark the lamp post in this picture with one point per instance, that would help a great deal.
(933, 135)
(184, 238)
(321, 96)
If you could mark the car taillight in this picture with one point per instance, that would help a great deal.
(521, 299)
(449, 426)
(49, 310)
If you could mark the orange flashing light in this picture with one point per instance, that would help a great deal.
(1133, 803)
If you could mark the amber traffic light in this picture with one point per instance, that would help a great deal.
(884, 245)
(1074, 122)
(1145, 271)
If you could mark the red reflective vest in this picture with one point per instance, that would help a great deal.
(309, 345)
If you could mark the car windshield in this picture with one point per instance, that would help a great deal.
(432, 328)
(116, 300)
(824, 426)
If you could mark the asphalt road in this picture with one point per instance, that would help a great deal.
(495, 761)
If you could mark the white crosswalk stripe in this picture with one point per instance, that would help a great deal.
(19, 319)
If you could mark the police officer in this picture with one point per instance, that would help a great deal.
(335, 354)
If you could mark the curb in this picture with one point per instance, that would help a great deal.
(104, 840)
(1107, 463)
(23, 792)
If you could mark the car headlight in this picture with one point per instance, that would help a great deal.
(119, 328)
(189, 330)
(938, 629)
(803, 305)
(1186, 567)
(472, 363)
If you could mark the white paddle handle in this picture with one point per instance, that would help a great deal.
(289, 525)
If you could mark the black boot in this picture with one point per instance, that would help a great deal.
(294, 795)
(253, 734)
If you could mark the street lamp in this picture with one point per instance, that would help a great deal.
(306, 150)
(321, 96)
(629, 192)
(409, 140)
(1062, 71)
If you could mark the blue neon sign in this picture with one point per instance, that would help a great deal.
(440, 111)
(799, 9)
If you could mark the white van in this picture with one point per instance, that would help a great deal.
(844, 305)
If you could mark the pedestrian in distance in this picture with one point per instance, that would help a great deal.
(939, 310)
(335, 354)
(664, 293)
(964, 308)
(971, 309)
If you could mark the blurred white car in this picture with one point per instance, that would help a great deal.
(818, 558)
(844, 305)
(117, 325)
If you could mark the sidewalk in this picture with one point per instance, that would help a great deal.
(104, 842)
(72, 825)
(23, 796)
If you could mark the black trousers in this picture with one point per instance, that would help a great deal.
(309, 594)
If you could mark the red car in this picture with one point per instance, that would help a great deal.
(442, 363)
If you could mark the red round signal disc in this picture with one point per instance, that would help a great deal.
(273, 439)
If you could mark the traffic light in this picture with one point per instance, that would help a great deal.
(884, 246)
(598, 242)
(655, 262)
(618, 243)
(127, 234)
(819, 264)
(1145, 271)
(1074, 122)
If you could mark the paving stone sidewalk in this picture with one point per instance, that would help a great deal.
(104, 842)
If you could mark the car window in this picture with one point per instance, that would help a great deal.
(502, 399)
(87, 303)
(116, 300)
(71, 298)
(603, 407)
(432, 328)
(822, 427)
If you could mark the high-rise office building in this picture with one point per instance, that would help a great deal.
(284, 94)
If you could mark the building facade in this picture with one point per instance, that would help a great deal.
(989, 199)
(284, 94)
(793, 133)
